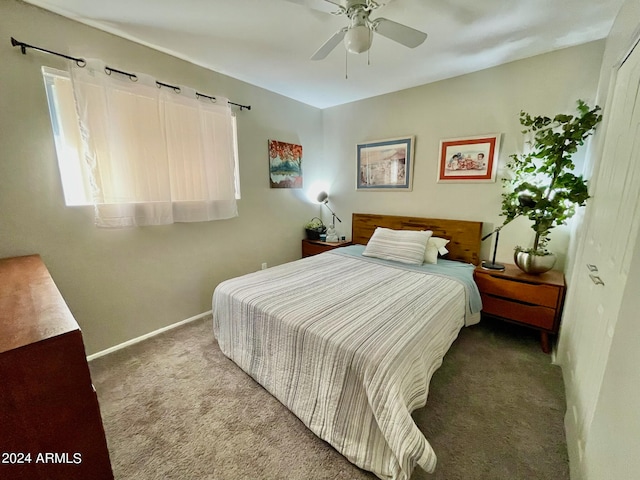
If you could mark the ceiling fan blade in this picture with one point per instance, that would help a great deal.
(326, 6)
(407, 36)
(329, 45)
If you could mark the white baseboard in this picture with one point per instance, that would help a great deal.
(147, 335)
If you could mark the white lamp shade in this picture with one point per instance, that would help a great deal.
(358, 39)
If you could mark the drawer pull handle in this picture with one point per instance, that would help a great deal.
(592, 268)
(595, 279)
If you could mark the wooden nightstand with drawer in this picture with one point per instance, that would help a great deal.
(314, 247)
(534, 301)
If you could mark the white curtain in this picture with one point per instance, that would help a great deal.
(155, 156)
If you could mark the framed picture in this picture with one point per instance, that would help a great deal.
(285, 165)
(469, 159)
(385, 164)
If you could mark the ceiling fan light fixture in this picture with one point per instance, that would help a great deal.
(358, 36)
(358, 39)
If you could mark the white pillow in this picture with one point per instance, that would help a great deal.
(405, 246)
(435, 245)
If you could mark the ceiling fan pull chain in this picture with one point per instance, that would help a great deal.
(346, 65)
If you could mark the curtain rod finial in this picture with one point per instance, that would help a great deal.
(15, 43)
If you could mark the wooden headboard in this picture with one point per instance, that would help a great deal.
(464, 235)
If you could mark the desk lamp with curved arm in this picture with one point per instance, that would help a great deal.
(332, 236)
(526, 201)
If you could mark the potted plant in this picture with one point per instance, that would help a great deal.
(544, 178)
(314, 228)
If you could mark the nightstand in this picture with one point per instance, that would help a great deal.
(534, 301)
(314, 247)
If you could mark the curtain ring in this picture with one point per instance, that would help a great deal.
(175, 88)
(81, 62)
(132, 76)
(211, 99)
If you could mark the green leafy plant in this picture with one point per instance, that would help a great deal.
(544, 175)
(314, 224)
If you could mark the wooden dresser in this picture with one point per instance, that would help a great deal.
(50, 424)
(534, 301)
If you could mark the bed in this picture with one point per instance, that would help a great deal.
(349, 343)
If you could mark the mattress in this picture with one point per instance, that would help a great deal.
(349, 345)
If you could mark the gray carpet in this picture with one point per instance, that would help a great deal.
(174, 407)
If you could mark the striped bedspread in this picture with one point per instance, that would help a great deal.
(349, 346)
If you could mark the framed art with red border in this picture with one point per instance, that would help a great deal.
(469, 159)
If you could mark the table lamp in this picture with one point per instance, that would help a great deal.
(526, 201)
(332, 235)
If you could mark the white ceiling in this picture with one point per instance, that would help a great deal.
(268, 42)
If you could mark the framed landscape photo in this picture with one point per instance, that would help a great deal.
(469, 159)
(385, 164)
(285, 165)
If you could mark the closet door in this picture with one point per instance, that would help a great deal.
(602, 264)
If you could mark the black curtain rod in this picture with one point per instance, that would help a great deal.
(176, 89)
(81, 62)
(23, 47)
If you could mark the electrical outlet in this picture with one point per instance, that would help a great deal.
(264, 266)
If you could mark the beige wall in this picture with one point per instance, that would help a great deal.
(479, 103)
(121, 284)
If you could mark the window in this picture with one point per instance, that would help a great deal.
(66, 133)
(78, 180)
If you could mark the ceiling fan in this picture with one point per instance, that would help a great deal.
(358, 35)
